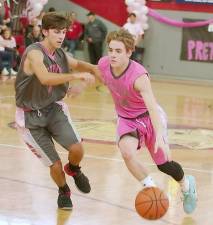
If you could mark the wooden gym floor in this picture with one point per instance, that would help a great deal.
(28, 196)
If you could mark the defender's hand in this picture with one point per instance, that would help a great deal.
(87, 77)
(76, 89)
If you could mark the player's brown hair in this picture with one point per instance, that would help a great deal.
(123, 36)
(53, 20)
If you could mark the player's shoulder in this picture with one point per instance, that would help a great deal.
(34, 54)
(139, 67)
(103, 61)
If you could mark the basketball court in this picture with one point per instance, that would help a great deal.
(29, 197)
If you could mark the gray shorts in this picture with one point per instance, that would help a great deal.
(43, 126)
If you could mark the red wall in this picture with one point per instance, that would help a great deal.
(113, 10)
(196, 7)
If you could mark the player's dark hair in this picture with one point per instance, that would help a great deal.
(53, 20)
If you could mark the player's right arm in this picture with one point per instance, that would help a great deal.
(34, 65)
(80, 65)
(143, 85)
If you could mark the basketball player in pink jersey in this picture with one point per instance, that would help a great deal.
(141, 121)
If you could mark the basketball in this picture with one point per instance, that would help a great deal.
(151, 203)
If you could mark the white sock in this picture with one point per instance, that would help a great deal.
(148, 182)
(184, 185)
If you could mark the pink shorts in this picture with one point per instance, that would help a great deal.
(145, 132)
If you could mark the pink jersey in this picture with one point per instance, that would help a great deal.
(128, 102)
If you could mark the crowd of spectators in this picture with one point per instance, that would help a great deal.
(92, 34)
(13, 45)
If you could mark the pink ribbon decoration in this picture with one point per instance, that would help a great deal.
(176, 23)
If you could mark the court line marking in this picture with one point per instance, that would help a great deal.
(87, 197)
(54, 188)
(108, 203)
(113, 111)
(109, 159)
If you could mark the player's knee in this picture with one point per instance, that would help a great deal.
(173, 169)
(76, 149)
(126, 156)
(126, 153)
(56, 166)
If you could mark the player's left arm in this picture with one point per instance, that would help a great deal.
(143, 85)
(83, 66)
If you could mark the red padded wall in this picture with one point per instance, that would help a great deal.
(112, 10)
(115, 10)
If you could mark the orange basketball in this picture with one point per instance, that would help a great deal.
(151, 203)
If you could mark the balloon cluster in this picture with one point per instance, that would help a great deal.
(140, 9)
(34, 7)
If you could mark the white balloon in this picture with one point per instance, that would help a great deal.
(145, 26)
(35, 10)
(129, 9)
(142, 2)
(136, 13)
(32, 2)
(142, 18)
(136, 5)
(43, 2)
(144, 9)
(129, 2)
(37, 7)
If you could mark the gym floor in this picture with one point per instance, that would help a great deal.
(29, 196)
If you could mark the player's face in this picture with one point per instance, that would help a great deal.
(55, 37)
(118, 54)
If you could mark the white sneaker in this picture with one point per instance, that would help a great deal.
(4, 72)
(13, 72)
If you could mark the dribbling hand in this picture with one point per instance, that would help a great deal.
(160, 143)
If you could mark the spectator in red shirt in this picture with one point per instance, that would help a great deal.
(73, 34)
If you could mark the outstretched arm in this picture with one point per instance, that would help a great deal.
(36, 66)
(80, 65)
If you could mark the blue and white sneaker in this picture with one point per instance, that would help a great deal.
(190, 197)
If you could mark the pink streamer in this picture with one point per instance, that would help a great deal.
(176, 23)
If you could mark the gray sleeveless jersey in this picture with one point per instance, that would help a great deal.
(30, 93)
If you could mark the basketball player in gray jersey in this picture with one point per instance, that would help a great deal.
(41, 116)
